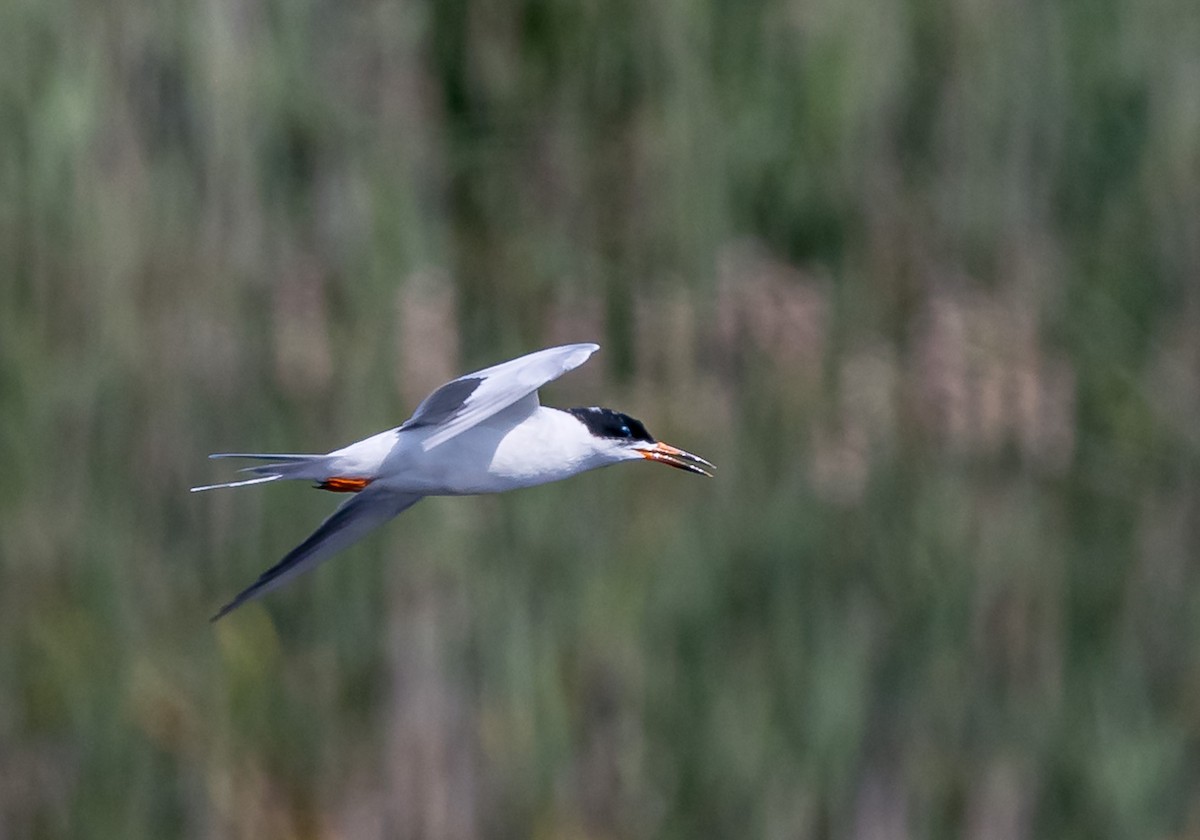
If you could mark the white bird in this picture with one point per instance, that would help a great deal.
(484, 432)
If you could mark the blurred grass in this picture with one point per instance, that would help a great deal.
(920, 277)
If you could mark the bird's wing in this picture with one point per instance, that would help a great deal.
(354, 519)
(472, 398)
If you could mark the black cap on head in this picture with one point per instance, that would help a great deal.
(606, 423)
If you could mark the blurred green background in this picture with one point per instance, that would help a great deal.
(922, 278)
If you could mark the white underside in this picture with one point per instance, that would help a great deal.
(521, 446)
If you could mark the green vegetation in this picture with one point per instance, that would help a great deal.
(920, 277)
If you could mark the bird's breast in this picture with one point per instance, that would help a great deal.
(492, 457)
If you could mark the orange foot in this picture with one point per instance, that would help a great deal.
(344, 485)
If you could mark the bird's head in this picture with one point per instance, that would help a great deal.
(619, 437)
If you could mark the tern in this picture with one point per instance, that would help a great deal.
(484, 432)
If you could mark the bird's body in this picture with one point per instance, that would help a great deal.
(485, 432)
(521, 446)
(515, 448)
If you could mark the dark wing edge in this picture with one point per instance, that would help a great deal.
(444, 403)
(353, 520)
(454, 409)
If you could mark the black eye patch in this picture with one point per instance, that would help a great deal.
(606, 423)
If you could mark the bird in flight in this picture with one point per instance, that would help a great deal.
(485, 432)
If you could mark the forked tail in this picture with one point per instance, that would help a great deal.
(311, 467)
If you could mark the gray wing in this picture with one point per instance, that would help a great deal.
(355, 518)
(472, 398)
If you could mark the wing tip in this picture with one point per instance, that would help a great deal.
(242, 598)
(585, 347)
(578, 354)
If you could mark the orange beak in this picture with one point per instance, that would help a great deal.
(672, 457)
